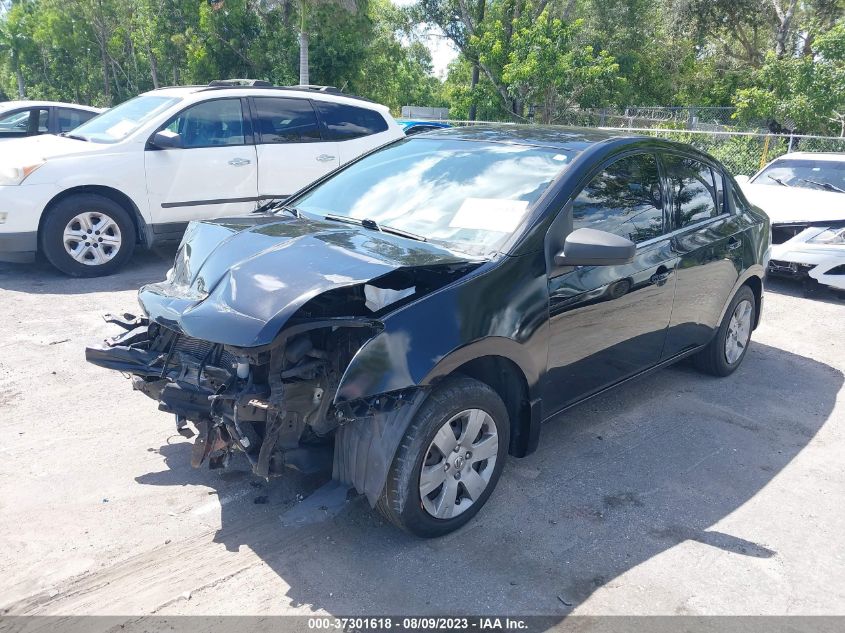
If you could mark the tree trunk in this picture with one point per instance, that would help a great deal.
(153, 66)
(19, 77)
(784, 25)
(473, 109)
(106, 81)
(304, 75)
(476, 71)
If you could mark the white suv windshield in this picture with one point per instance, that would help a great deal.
(116, 124)
(466, 195)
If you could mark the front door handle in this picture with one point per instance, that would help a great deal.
(239, 162)
(734, 243)
(325, 158)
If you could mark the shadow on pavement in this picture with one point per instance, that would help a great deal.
(145, 267)
(807, 289)
(616, 481)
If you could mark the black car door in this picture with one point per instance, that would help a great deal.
(609, 322)
(708, 240)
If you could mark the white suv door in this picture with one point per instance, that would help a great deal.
(357, 130)
(291, 150)
(212, 174)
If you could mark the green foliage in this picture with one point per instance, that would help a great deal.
(806, 92)
(779, 61)
(105, 51)
(549, 65)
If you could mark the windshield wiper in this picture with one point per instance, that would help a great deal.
(824, 185)
(375, 226)
(77, 137)
(778, 181)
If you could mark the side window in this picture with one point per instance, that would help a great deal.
(24, 122)
(693, 190)
(624, 199)
(70, 119)
(344, 122)
(15, 123)
(286, 120)
(211, 124)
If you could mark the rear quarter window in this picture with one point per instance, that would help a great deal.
(343, 122)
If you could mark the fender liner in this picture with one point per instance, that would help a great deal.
(365, 446)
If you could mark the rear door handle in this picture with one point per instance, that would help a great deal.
(325, 158)
(734, 243)
(239, 162)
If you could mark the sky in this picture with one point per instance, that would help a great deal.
(442, 50)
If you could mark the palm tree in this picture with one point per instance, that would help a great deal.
(304, 7)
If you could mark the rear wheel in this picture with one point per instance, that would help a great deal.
(725, 352)
(88, 235)
(449, 461)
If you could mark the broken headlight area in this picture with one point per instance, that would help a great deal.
(272, 404)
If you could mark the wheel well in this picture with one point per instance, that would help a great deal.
(507, 380)
(107, 192)
(756, 285)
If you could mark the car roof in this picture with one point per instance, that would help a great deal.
(552, 136)
(442, 124)
(827, 156)
(11, 105)
(286, 91)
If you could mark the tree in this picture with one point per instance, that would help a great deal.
(806, 92)
(550, 66)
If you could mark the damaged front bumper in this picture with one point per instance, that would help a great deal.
(273, 404)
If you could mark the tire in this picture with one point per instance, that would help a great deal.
(719, 357)
(455, 404)
(81, 215)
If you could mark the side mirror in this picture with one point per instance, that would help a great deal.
(741, 180)
(590, 247)
(167, 140)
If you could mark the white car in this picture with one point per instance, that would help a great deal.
(19, 119)
(138, 173)
(804, 196)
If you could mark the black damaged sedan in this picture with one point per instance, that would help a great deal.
(412, 319)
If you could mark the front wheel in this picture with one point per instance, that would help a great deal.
(449, 460)
(725, 352)
(88, 235)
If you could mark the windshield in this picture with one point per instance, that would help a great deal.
(467, 196)
(116, 124)
(806, 173)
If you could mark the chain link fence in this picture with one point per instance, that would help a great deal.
(741, 152)
(683, 118)
(745, 152)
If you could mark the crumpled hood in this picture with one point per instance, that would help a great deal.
(33, 149)
(786, 205)
(238, 281)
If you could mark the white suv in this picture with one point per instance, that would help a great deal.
(139, 172)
